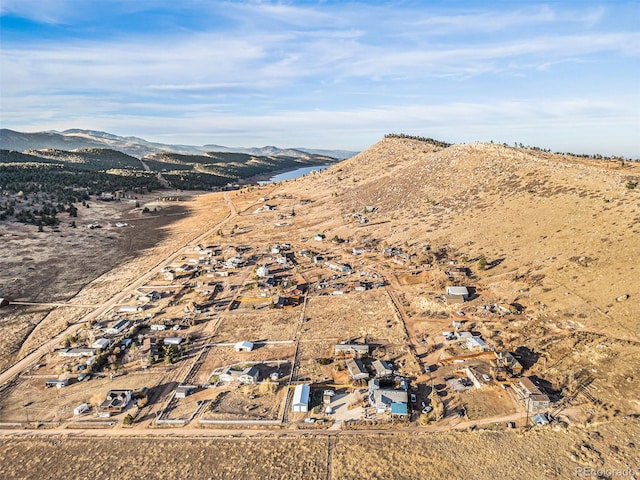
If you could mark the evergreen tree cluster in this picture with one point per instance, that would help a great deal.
(437, 143)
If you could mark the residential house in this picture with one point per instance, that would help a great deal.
(77, 352)
(173, 340)
(116, 401)
(476, 344)
(531, 395)
(382, 368)
(130, 309)
(58, 383)
(118, 327)
(358, 349)
(383, 399)
(247, 375)
(100, 344)
(356, 369)
(150, 347)
(506, 360)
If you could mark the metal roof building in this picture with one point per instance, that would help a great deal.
(300, 402)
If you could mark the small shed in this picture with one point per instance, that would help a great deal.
(182, 391)
(244, 346)
(300, 402)
(327, 395)
(173, 340)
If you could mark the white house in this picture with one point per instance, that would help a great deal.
(262, 272)
(173, 340)
(300, 402)
(118, 327)
(100, 344)
(476, 343)
(462, 291)
(80, 409)
(248, 375)
(244, 346)
(77, 352)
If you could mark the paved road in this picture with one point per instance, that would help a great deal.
(34, 356)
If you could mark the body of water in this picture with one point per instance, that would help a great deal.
(291, 174)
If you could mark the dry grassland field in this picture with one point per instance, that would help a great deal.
(270, 325)
(537, 454)
(248, 402)
(364, 315)
(546, 245)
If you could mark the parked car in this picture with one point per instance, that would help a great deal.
(427, 409)
(427, 369)
(413, 398)
(486, 378)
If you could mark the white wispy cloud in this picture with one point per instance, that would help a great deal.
(343, 72)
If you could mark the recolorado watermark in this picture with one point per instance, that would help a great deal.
(586, 472)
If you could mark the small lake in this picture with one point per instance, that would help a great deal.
(291, 174)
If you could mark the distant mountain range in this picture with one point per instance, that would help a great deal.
(138, 147)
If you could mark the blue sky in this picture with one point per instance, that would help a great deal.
(326, 74)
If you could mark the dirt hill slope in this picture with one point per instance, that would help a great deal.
(560, 235)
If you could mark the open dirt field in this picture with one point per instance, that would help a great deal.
(247, 402)
(359, 315)
(268, 325)
(536, 454)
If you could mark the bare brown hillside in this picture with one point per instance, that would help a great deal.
(560, 235)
